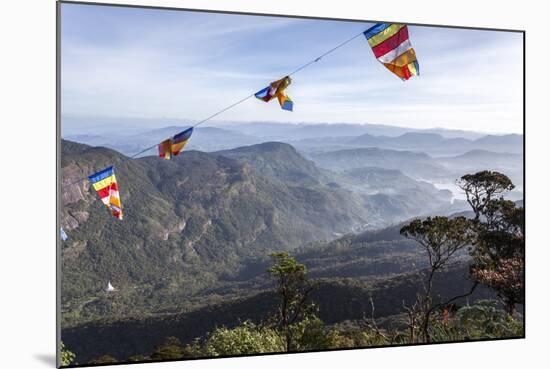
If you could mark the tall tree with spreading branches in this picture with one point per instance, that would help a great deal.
(480, 188)
(498, 255)
(441, 238)
(293, 289)
(498, 258)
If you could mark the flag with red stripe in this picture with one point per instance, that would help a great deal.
(172, 146)
(277, 89)
(105, 184)
(392, 47)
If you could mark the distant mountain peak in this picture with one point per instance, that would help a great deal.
(277, 160)
(424, 135)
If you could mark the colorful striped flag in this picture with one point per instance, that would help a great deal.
(392, 47)
(173, 146)
(165, 149)
(277, 89)
(104, 182)
(64, 236)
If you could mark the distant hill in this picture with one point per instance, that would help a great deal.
(285, 131)
(475, 160)
(414, 164)
(419, 138)
(129, 136)
(491, 140)
(388, 195)
(484, 157)
(277, 160)
(204, 139)
(384, 180)
(420, 141)
(75, 125)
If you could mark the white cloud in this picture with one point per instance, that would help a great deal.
(192, 68)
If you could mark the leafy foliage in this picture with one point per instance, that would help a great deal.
(67, 357)
(498, 259)
(497, 240)
(244, 339)
(483, 320)
(294, 313)
(442, 238)
(498, 256)
(105, 359)
(170, 349)
(481, 187)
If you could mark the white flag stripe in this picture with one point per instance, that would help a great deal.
(390, 56)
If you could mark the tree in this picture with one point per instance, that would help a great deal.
(293, 289)
(498, 259)
(482, 320)
(138, 358)
(482, 187)
(67, 357)
(105, 359)
(310, 333)
(441, 238)
(498, 256)
(244, 339)
(170, 349)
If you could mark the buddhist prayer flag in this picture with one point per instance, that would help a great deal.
(104, 182)
(64, 236)
(392, 47)
(277, 89)
(173, 146)
(165, 149)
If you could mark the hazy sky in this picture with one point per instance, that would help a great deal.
(126, 62)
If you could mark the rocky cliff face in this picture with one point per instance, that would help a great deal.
(72, 193)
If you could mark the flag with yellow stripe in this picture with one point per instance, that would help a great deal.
(105, 184)
(392, 47)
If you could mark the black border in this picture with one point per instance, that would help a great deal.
(58, 175)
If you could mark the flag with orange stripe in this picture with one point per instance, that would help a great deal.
(277, 89)
(172, 146)
(105, 184)
(392, 47)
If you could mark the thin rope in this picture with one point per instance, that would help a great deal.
(325, 54)
(223, 110)
(300, 68)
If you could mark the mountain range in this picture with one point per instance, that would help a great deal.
(204, 213)
(196, 211)
(192, 250)
(413, 164)
(312, 138)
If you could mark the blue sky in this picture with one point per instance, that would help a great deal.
(143, 63)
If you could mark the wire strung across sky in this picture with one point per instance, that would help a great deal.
(300, 68)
